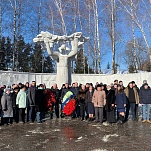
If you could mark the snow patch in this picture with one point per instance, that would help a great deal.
(39, 132)
(105, 124)
(106, 137)
(27, 135)
(8, 146)
(56, 130)
(99, 150)
(95, 125)
(78, 139)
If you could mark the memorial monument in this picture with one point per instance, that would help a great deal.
(63, 49)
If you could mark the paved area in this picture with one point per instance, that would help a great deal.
(75, 135)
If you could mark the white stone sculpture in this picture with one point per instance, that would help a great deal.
(63, 49)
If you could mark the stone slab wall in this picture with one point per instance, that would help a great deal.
(10, 77)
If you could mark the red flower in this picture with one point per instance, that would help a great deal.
(50, 99)
(69, 107)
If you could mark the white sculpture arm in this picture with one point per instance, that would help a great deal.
(49, 46)
(74, 51)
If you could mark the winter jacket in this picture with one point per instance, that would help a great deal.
(75, 91)
(31, 95)
(82, 96)
(26, 91)
(57, 93)
(99, 98)
(145, 96)
(21, 99)
(40, 100)
(14, 96)
(126, 91)
(110, 99)
(120, 100)
(7, 106)
(64, 91)
(88, 97)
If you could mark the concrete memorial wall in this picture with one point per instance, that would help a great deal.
(10, 77)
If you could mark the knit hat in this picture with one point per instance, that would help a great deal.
(99, 85)
(7, 89)
(144, 81)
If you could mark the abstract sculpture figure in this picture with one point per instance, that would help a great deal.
(63, 49)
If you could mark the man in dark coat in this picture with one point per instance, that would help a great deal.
(57, 93)
(110, 105)
(15, 108)
(40, 102)
(28, 106)
(132, 100)
(31, 97)
(144, 82)
(63, 92)
(75, 91)
(145, 100)
(1, 91)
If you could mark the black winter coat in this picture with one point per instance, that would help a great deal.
(110, 99)
(75, 92)
(14, 96)
(31, 95)
(40, 100)
(145, 96)
(57, 93)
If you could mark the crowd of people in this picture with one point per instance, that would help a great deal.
(21, 103)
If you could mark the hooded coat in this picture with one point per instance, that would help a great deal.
(7, 105)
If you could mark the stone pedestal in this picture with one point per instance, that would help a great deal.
(63, 70)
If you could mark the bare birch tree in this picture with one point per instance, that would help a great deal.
(113, 14)
(14, 8)
(134, 38)
(58, 4)
(138, 23)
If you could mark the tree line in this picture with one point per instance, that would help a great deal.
(119, 32)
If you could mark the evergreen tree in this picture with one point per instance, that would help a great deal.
(23, 55)
(81, 63)
(2, 53)
(48, 65)
(8, 54)
(36, 59)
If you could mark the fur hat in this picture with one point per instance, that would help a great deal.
(99, 85)
(145, 84)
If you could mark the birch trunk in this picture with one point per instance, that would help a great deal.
(95, 40)
(141, 30)
(97, 36)
(113, 34)
(61, 14)
(134, 39)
